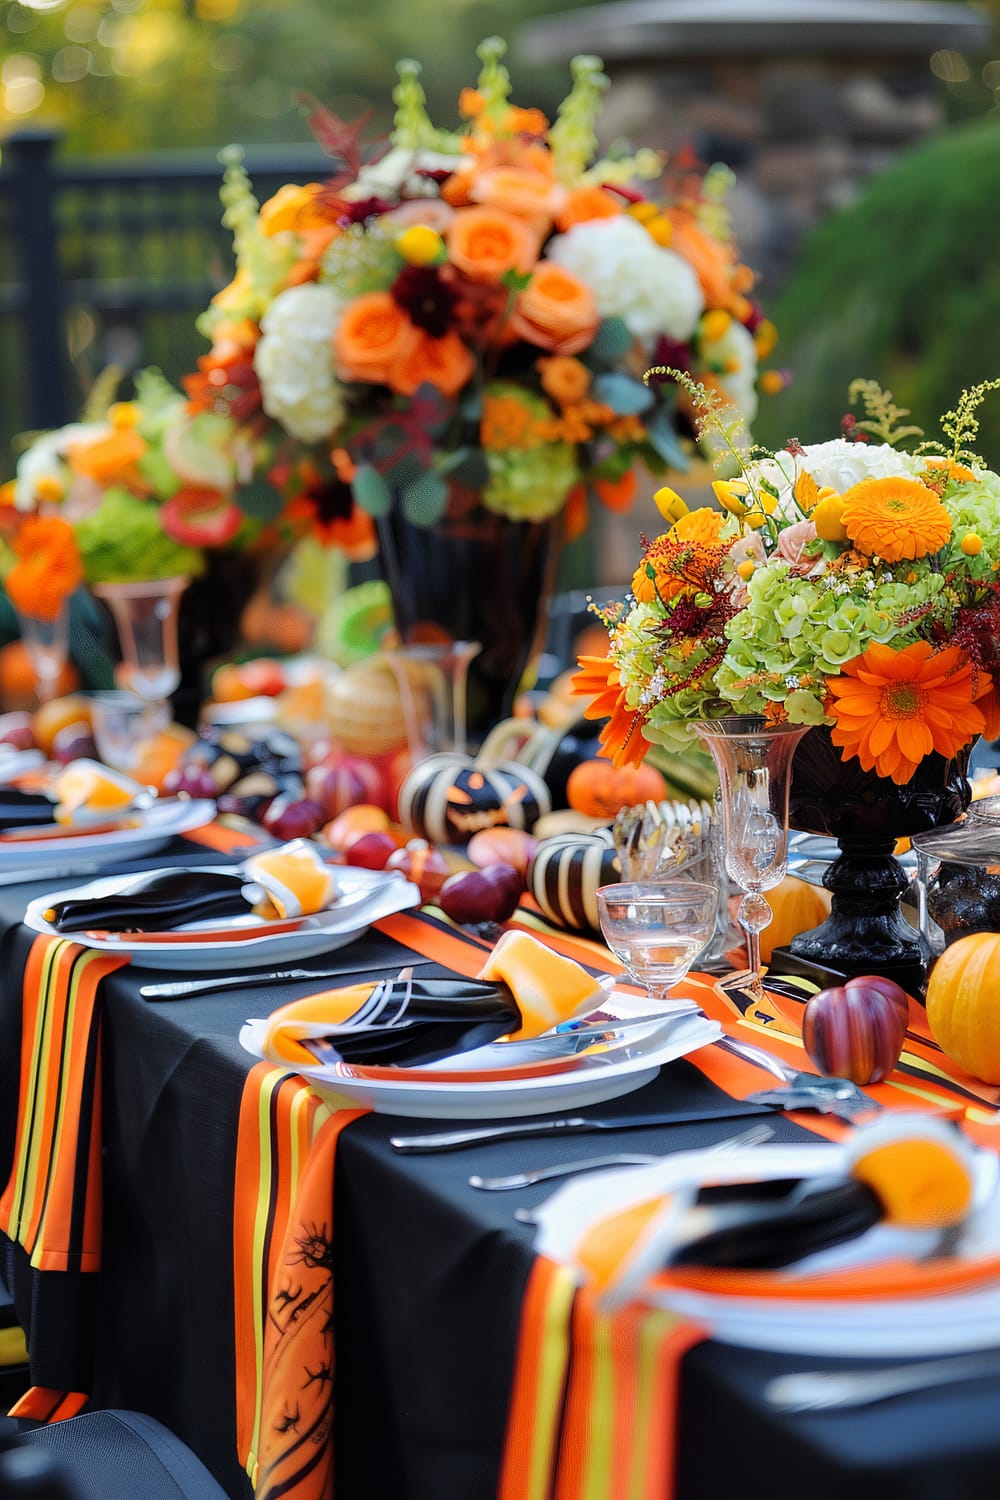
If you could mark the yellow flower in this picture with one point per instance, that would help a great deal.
(765, 337)
(972, 544)
(895, 519)
(828, 518)
(715, 323)
(732, 495)
(419, 245)
(669, 504)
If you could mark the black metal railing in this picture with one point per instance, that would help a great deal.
(109, 262)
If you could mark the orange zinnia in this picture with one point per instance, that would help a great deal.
(895, 707)
(622, 739)
(895, 519)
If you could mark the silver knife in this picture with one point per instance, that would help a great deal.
(450, 1140)
(175, 989)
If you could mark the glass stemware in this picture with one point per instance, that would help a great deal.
(145, 615)
(657, 929)
(754, 760)
(47, 644)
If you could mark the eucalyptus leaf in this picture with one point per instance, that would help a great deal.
(405, 470)
(371, 491)
(423, 502)
(611, 342)
(260, 501)
(625, 396)
(662, 437)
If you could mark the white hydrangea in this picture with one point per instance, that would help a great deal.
(46, 459)
(838, 464)
(735, 355)
(654, 291)
(294, 362)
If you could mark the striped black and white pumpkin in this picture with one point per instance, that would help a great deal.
(447, 798)
(566, 873)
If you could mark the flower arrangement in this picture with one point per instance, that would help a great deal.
(468, 316)
(147, 486)
(851, 583)
(465, 316)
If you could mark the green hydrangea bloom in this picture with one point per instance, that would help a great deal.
(530, 482)
(361, 260)
(123, 540)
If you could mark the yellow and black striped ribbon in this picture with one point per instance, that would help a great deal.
(283, 1278)
(51, 1204)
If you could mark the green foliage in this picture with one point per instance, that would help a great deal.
(902, 287)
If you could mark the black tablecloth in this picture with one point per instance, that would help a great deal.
(428, 1276)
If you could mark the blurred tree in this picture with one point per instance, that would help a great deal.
(128, 75)
(902, 287)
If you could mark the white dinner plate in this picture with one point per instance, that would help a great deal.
(626, 1064)
(154, 827)
(365, 895)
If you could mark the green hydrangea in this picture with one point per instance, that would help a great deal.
(361, 260)
(796, 632)
(530, 485)
(123, 540)
(647, 664)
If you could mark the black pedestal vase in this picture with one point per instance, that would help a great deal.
(866, 932)
(474, 576)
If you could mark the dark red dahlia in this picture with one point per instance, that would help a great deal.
(422, 292)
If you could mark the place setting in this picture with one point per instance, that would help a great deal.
(283, 904)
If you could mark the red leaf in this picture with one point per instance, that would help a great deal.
(339, 138)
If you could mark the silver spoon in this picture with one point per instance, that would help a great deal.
(818, 1390)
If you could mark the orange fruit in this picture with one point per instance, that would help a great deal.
(18, 679)
(58, 713)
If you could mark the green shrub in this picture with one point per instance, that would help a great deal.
(902, 287)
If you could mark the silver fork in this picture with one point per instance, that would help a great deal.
(820, 1390)
(756, 1135)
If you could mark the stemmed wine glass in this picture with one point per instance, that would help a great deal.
(753, 759)
(658, 928)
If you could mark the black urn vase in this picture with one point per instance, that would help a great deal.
(866, 814)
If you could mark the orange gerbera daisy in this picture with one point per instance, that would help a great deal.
(684, 559)
(622, 739)
(894, 707)
(895, 518)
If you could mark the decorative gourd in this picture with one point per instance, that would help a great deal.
(566, 873)
(447, 798)
(853, 1032)
(962, 1010)
(367, 714)
(797, 906)
(601, 790)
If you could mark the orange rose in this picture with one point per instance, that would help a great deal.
(522, 191)
(565, 379)
(374, 337)
(109, 460)
(712, 261)
(556, 311)
(291, 208)
(445, 363)
(486, 243)
(47, 569)
(587, 203)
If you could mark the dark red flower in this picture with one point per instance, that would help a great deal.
(422, 292)
(360, 209)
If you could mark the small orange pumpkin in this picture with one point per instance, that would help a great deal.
(797, 907)
(962, 1012)
(601, 790)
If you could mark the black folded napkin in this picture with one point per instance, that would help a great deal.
(20, 809)
(157, 899)
(403, 1022)
(767, 1225)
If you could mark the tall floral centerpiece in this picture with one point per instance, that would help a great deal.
(149, 492)
(438, 351)
(851, 586)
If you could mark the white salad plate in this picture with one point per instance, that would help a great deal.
(626, 1062)
(153, 827)
(365, 896)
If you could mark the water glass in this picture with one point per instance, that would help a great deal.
(658, 929)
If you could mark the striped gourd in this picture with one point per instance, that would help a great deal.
(447, 798)
(565, 874)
